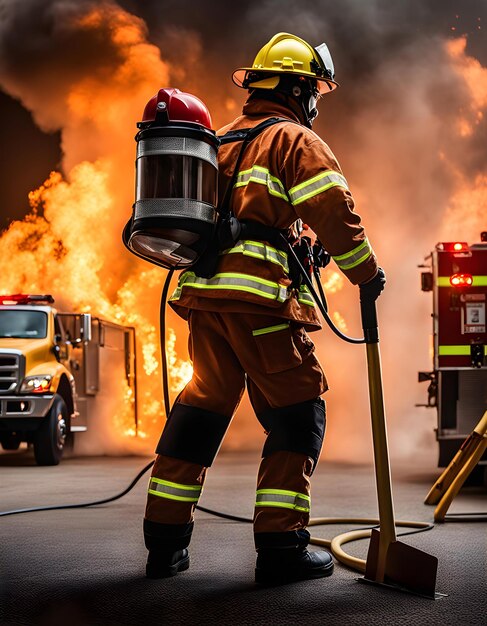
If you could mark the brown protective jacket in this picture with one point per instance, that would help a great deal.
(287, 172)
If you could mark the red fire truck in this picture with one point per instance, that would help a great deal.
(457, 276)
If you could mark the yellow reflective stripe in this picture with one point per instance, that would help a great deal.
(456, 350)
(283, 505)
(270, 329)
(283, 499)
(262, 176)
(477, 281)
(259, 250)
(305, 297)
(233, 281)
(353, 258)
(316, 185)
(174, 491)
(172, 496)
(444, 281)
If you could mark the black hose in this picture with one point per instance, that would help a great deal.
(480, 516)
(83, 504)
(162, 325)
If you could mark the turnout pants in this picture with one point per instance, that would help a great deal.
(275, 359)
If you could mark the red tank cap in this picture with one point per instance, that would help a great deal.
(180, 107)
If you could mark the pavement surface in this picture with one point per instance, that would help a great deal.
(86, 566)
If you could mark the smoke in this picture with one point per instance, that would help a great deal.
(408, 126)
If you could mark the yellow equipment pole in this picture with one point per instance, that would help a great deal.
(456, 485)
(381, 458)
(469, 448)
(389, 561)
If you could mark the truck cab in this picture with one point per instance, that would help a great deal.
(55, 369)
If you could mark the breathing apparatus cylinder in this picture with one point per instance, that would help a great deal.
(174, 215)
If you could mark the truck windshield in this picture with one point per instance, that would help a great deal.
(23, 324)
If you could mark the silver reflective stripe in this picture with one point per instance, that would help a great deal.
(305, 297)
(183, 146)
(175, 207)
(353, 258)
(235, 282)
(316, 185)
(283, 499)
(262, 251)
(262, 176)
(174, 491)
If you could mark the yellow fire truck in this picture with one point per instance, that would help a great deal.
(59, 374)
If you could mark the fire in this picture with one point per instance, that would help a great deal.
(332, 281)
(47, 253)
(340, 321)
(70, 243)
(181, 371)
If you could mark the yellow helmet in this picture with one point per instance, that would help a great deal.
(286, 54)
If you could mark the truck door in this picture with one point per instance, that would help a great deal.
(62, 345)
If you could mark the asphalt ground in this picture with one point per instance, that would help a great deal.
(86, 566)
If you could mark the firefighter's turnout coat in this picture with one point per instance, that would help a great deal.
(287, 172)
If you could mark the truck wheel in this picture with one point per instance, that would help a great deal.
(10, 442)
(51, 436)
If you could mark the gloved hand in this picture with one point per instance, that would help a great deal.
(370, 291)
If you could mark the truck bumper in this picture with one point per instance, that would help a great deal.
(15, 407)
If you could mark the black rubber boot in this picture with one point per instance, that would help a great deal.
(283, 558)
(278, 566)
(167, 545)
(164, 565)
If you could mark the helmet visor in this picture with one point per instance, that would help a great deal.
(325, 57)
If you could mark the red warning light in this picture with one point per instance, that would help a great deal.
(21, 298)
(453, 246)
(461, 280)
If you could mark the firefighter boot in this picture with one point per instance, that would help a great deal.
(167, 545)
(166, 564)
(279, 562)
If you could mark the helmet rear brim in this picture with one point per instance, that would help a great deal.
(325, 85)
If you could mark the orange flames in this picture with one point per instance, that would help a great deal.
(70, 244)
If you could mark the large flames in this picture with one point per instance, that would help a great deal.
(70, 243)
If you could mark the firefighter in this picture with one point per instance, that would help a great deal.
(248, 323)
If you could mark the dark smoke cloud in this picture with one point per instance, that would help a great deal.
(385, 51)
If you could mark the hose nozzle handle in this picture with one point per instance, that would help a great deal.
(368, 311)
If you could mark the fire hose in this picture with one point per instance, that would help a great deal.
(335, 544)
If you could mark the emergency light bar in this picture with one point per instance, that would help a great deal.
(21, 298)
(452, 246)
(461, 280)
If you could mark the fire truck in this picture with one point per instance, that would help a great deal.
(456, 274)
(60, 373)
